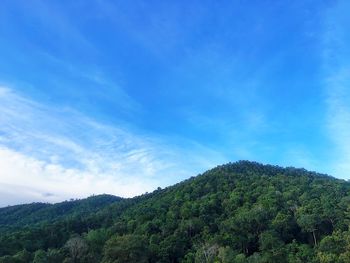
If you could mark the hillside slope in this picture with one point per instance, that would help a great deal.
(21, 215)
(238, 212)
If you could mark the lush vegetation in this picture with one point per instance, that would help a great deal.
(239, 212)
(19, 215)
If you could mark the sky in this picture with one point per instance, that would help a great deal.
(122, 97)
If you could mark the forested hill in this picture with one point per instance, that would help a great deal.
(238, 212)
(20, 215)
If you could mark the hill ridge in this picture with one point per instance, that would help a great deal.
(237, 212)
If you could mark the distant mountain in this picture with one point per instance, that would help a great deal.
(21, 215)
(238, 212)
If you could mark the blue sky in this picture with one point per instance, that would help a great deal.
(121, 97)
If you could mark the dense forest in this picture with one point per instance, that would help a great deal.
(238, 212)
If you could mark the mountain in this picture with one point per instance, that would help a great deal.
(237, 212)
(21, 215)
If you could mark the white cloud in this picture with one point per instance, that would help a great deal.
(50, 154)
(30, 179)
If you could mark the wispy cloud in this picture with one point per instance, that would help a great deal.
(102, 86)
(55, 154)
(26, 179)
(338, 120)
(58, 25)
(337, 72)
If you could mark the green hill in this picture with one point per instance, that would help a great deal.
(238, 212)
(21, 215)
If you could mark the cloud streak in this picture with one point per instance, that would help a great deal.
(337, 83)
(55, 154)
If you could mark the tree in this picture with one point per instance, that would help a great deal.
(55, 255)
(77, 248)
(126, 248)
(206, 253)
(40, 257)
(96, 239)
(226, 255)
(23, 256)
(271, 246)
(8, 259)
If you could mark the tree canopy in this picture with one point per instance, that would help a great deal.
(238, 212)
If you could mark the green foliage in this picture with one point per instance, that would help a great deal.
(77, 248)
(40, 257)
(126, 248)
(19, 215)
(239, 212)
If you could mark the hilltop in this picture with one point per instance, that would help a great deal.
(237, 212)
